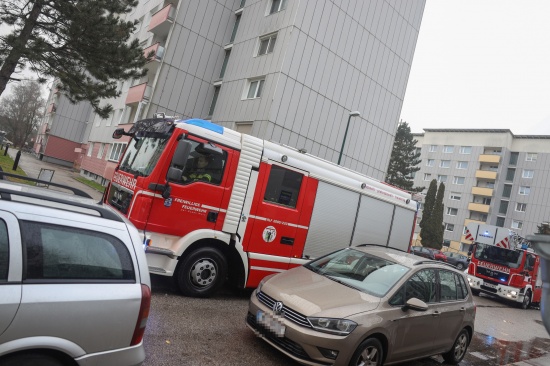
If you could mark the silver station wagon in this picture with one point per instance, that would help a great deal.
(74, 284)
(365, 305)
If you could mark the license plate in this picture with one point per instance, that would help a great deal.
(490, 285)
(271, 323)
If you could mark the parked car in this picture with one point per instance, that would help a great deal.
(429, 253)
(366, 305)
(460, 261)
(74, 283)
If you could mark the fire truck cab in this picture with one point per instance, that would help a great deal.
(254, 209)
(503, 264)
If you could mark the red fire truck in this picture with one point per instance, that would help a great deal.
(503, 265)
(258, 207)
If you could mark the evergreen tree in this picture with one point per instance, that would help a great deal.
(544, 228)
(404, 159)
(429, 203)
(436, 219)
(431, 225)
(84, 44)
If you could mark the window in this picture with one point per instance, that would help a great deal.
(430, 162)
(214, 100)
(452, 211)
(255, 89)
(421, 285)
(458, 180)
(4, 251)
(486, 201)
(520, 207)
(446, 243)
(225, 61)
(456, 196)
(267, 43)
(500, 221)
(277, 5)
(90, 148)
(283, 186)
(513, 158)
(448, 149)
(465, 247)
(531, 157)
(528, 174)
(202, 166)
(74, 254)
(503, 208)
(462, 165)
(465, 150)
(116, 151)
(441, 178)
(235, 27)
(507, 190)
(427, 176)
(449, 227)
(510, 174)
(448, 286)
(445, 164)
(244, 127)
(433, 148)
(517, 224)
(100, 151)
(524, 190)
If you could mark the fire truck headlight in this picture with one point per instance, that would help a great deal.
(513, 293)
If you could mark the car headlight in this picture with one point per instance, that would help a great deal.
(333, 326)
(264, 280)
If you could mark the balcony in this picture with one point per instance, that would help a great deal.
(51, 108)
(486, 174)
(485, 158)
(155, 58)
(138, 93)
(478, 207)
(479, 191)
(162, 20)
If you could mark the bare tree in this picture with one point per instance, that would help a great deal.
(20, 112)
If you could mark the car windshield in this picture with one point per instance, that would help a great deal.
(359, 270)
(494, 254)
(143, 153)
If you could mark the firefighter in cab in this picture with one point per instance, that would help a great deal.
(200, 170)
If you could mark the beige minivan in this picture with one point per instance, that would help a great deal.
(365, 305)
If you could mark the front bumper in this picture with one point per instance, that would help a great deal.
(496, 289)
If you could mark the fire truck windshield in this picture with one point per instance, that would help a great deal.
(494, 254)
(143, 154)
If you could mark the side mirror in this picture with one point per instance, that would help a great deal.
(119, 132)
(415, 304)
(181, 154)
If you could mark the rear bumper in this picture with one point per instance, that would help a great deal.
(131, 356)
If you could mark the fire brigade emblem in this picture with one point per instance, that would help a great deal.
(269, 234)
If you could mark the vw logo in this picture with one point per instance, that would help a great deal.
(278, 308)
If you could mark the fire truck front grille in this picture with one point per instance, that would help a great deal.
(288, 313)
(499, 276)
(119, 198)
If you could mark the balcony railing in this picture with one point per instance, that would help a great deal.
(138, 93)
(51, 108)
(479, 191)
(489, 158)
(478, 207)
(486, 174)
(158, 52)
(162, 21)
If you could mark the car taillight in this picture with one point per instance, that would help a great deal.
(143, 315)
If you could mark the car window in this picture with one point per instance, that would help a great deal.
(4, 251)
(422, 285)
(462, 289)
(73, 254)
(448, 286)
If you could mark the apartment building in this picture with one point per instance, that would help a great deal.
(491, 176)
(283, 70)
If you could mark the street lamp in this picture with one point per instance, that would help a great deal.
(351, 114)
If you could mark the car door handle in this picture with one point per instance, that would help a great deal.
(287, 240)
(462, 309)
(436, 313)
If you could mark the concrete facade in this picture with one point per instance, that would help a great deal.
(491, 176)
(289, 71)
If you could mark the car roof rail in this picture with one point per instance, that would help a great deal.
(76, 191)
(434, 262)
(380, 246)
(85, 208)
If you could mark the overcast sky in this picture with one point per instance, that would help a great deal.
(481, 64)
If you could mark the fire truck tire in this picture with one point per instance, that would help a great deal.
(526, 303)
(201, 273)
(456, 354)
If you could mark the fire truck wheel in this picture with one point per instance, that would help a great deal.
(526, 300)
(201, 273)
(456, 354)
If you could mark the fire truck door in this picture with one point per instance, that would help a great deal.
(274, 226)
(195, 201)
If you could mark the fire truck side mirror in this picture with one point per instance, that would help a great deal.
(181, 154)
